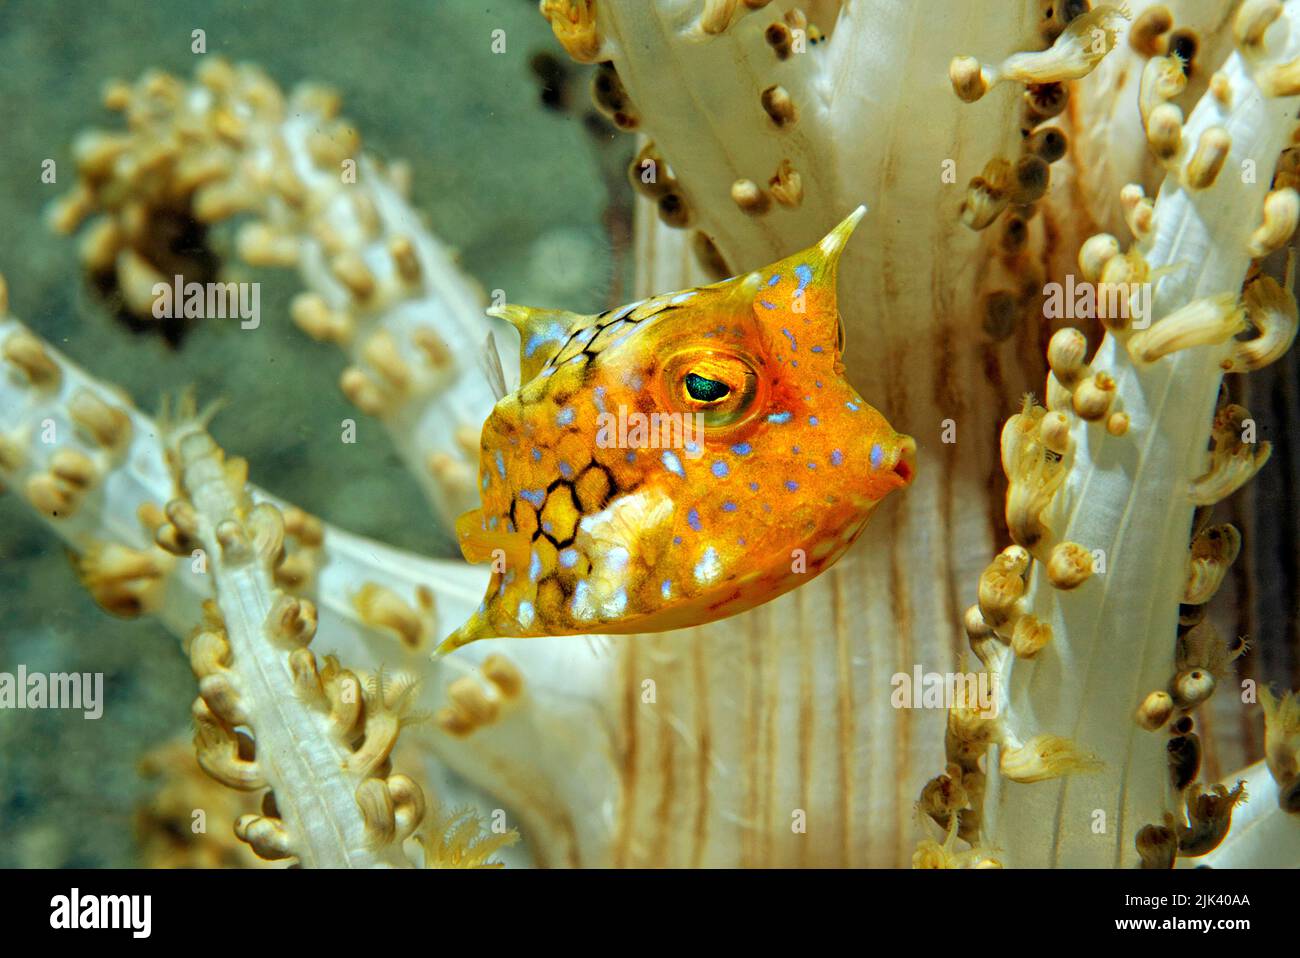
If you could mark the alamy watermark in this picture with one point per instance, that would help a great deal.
(1130, 302)
(77, 911)
(977, 691)
(182, 300)
(656, 430)
(53, 690)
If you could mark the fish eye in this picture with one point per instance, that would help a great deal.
(703, 389)
(720, 386)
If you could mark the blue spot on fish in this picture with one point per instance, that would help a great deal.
(535, 496)
(728, 506)
(537, 455)
(805, 274)
(720, 469)
(666, 588)
(776, 278)
(624, 310)
(790, 336)
(552, 333)
(779, 417)
(565, 416)
(791, 485)
(852, 405)
(535, 567)
(812, 421)
(569, 558)
(837, 457)
(877, 456)
(766, 305)
(672, 463)
(566, 470)
(742, 449)
(693, 517)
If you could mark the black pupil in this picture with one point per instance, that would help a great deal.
(705, 390)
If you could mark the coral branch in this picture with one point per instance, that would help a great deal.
(379, 285)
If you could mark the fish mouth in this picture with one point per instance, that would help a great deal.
(905, 464)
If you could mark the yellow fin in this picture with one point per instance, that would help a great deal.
(478, 544)
(542, 334)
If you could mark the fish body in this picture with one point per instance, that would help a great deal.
(677, 460)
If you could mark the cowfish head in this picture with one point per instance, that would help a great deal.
(781, 453)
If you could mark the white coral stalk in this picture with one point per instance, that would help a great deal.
(252, 677)
(1128, 497)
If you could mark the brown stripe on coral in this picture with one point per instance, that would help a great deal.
(844, 719)
(806, 652)
(900, 608)
(995, 481)
(771, 685)
(903, 732)
(749, 769)
(703, 757)
(628, 770)
(659, 856)
(950, 403)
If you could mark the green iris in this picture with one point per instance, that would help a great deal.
(705, 390)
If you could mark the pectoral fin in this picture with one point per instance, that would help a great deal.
(480, 544)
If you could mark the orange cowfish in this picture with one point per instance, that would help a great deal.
(676, 460)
